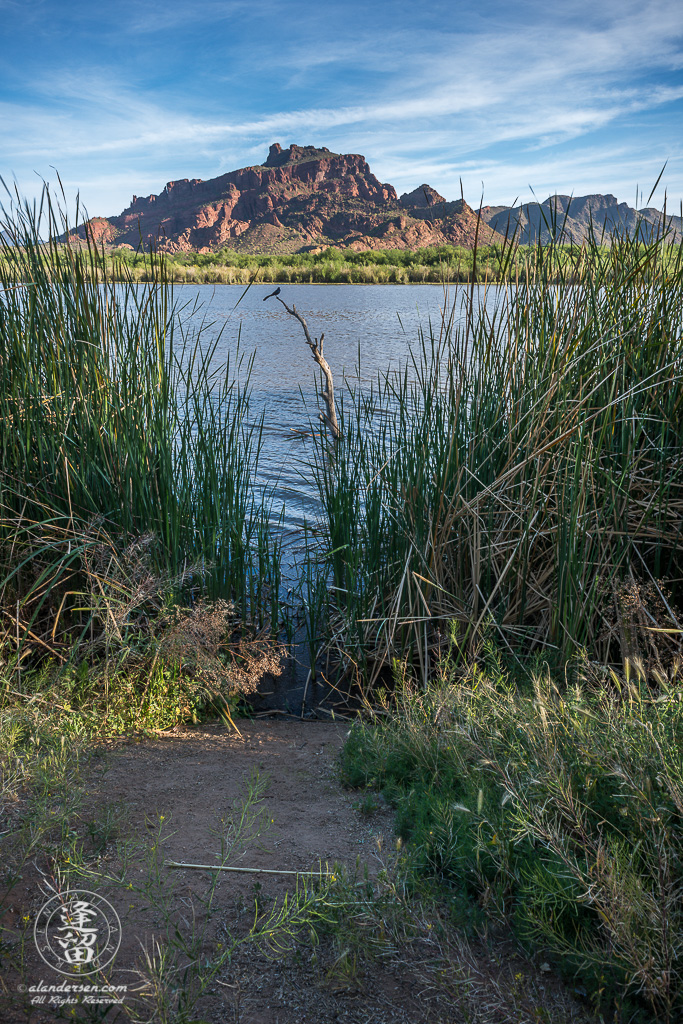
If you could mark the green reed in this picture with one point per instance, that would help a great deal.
(522, 467)
(116, 424)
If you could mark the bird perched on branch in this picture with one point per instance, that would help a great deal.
(276, 292)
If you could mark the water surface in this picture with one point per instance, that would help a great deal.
(373, 324)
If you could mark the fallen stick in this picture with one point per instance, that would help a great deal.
(251, 871)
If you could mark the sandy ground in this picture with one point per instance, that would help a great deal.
(195, 779)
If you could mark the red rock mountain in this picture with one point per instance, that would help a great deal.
(300, 198)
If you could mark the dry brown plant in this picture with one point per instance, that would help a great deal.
(640, 616)
(203, 640)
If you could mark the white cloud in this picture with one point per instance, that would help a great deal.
(556, 78)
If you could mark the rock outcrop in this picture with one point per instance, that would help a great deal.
(422, 198)
(302, 197)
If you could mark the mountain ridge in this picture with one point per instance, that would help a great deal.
(571, 219)
(304, 198)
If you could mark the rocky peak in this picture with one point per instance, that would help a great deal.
(181, 185)
(278, 157)
(301, 197)
(274, 155)
(421, 198)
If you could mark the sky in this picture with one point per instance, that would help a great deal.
(516, 99)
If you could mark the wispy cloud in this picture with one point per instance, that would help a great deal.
(505, 97)
(156, 15)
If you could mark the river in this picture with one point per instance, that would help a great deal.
(376, 324)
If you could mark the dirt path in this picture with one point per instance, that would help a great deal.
(194, 778)
(180, 794)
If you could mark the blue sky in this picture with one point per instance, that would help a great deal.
(123, 96)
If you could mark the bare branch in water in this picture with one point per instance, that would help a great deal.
(316, 347)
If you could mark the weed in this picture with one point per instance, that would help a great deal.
(522, 470)
(367, 805)
(556, 811)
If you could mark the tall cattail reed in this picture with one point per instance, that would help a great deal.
(114, 424)
(522, 467)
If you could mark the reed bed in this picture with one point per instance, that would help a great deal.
(126, 460)
(276, 272)
(526, 469)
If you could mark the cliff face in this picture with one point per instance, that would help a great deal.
(300, 198)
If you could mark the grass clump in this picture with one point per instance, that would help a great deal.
(524, 468)
(126, 468)
(557, 810)
(40, 779)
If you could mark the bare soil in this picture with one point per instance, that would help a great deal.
(185, 787)
(193, 778)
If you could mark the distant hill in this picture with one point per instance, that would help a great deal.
(569, 219)
(305, 198)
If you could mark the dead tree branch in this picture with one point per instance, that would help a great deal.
(316, 347)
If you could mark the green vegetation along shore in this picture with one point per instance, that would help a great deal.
(445, 264)
(496, 567)
(335, 266)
